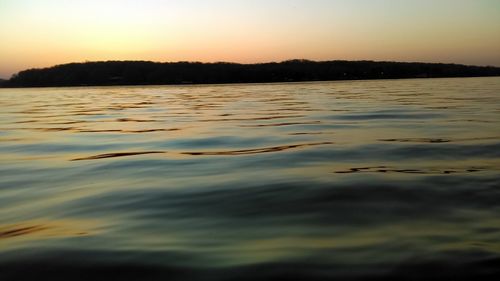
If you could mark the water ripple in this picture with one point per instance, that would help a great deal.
(256, 150)
(397, 179)
(423, 171)
(118, 154)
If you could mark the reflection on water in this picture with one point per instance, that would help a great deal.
(44, 229)
(316, 181)
(111, 155)
(257, 150)
(384, 169)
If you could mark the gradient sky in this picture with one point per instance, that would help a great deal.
(40, 33)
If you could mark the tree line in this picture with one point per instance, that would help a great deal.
(154, 73)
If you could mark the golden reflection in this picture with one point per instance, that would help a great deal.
(114, 155)
(256, 150)
(43, 229)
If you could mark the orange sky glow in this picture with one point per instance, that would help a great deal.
(41, 33)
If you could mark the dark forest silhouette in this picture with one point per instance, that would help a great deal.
(153, 73)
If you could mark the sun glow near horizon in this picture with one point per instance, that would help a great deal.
(47, 32)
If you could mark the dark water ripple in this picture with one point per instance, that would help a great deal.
(118, 154)
(18, 231)
(368, 180)
(256, 150)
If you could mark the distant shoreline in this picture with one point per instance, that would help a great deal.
(145, 73)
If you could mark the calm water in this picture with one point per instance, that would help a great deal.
(303, 180)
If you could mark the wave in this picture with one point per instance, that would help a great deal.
(114, 155)
(255, 150)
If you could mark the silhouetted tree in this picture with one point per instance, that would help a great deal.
(147, 73)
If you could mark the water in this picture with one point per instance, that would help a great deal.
(303, 180)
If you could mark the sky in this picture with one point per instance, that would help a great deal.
(42, 33)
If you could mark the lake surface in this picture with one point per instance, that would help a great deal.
(396, 178)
